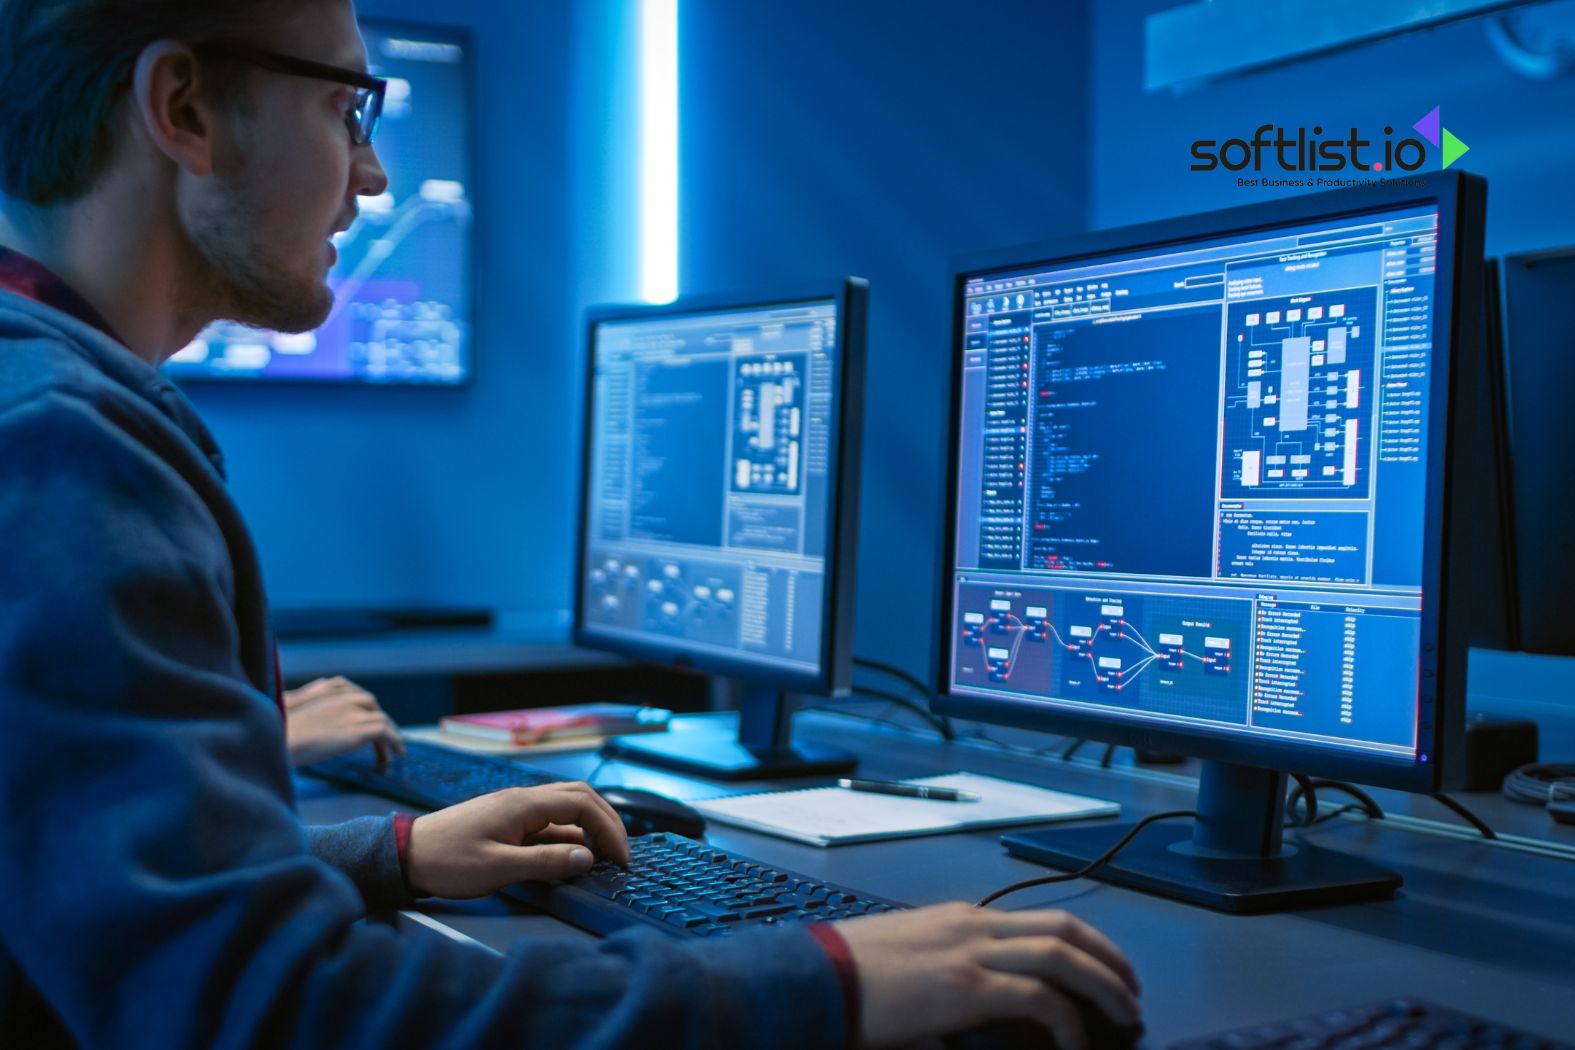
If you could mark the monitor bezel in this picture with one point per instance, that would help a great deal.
(834, 673)
(1460, 199)
(1529, 594)
(465, 37)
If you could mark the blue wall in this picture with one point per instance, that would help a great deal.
(822, 137)
(362, 496)
(1518, 129)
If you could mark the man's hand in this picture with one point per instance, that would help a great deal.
(334, 715)
(538, 833)
(940, 970)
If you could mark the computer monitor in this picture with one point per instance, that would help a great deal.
(1540, 372)
(719, 509)
(402, 282)
(1203, 496)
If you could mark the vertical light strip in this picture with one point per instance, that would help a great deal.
(659, 150)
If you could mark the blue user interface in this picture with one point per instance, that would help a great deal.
(711, 452)
(1191, 483)
(402, 299)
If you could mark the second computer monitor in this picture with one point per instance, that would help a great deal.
(719, 509)
(1203, 500)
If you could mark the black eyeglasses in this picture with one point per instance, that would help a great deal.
(361, 119)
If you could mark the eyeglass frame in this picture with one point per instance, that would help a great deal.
(361, 128)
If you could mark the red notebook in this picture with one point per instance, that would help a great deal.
(538, 725)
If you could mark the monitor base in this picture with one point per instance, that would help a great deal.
(1163, 860)
(714, 751)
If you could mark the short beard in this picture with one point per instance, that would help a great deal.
(231, 275)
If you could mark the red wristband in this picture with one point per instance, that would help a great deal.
(402, 822)
(836, 948)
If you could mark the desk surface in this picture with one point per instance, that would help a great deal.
(1485, 928)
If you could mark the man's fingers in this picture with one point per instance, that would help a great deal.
(356, 700)
(380, 733)
(304, 695)
(1069, 928)
(1104, 949)
(373, 727)
(387, 732)
(573, 803)
(1067, 966)
(547, 862)
(331, 690)
(1014, 996)
(612, 814)
(558, 833)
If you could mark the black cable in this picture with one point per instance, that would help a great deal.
(895, 672)
(1110, 752)
(1303, 789)
(1093, 865)
(1340, 811)
(1373, 809)
(940, 725)
(1466, 815)
(1307, 788)
(1066, 756)
(940, 722)
(1304, 784)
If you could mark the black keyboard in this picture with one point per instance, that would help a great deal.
(1407, 1023)
(691, 889)
(428, 775)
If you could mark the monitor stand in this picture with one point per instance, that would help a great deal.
(1233, 858)
(761, 749)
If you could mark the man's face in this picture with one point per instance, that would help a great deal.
(287, 179)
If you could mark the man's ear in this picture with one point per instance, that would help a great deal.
(179, 118)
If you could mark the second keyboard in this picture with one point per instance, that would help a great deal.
(428, 775)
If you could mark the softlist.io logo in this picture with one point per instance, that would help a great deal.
(1301, 150)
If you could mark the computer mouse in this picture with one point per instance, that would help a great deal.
(1102, 1032)
(644, 812)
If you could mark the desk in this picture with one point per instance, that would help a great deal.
(1487, 929)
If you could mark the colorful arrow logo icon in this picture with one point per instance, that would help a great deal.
(1434, 131)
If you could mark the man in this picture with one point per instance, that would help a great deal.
(156, 888)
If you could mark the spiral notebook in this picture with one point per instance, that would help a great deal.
(834, 816)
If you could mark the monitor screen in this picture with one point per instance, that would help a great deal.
(1191, 485)
(402, 288)
(710, 505)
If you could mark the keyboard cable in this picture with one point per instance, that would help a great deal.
(1093, 865)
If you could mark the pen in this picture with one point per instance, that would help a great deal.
(935, 794)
